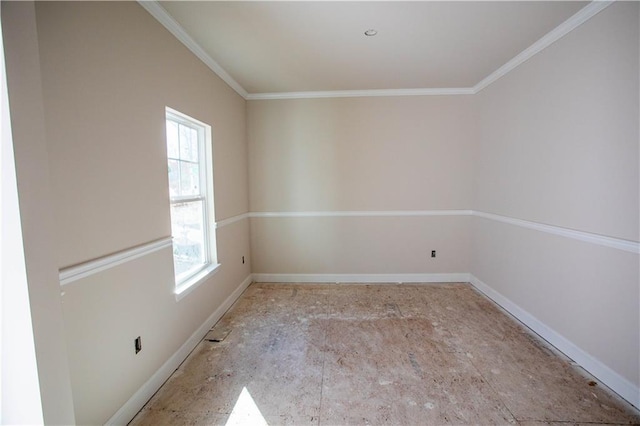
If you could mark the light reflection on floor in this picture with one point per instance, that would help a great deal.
(246, 412)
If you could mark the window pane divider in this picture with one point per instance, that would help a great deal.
(186, 199)
(182, 160)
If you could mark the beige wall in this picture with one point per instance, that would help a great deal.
(24, 86)
(559, 135)
(559, 145)
(392, 153)
(108, 71)
(360, 245)
(360, 154)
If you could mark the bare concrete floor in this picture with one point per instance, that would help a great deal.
(377, 354)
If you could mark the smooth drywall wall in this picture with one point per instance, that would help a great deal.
(360, 245)
(109, 69)
(559, 144)
(32, 176)
(366, 155)
(108, 73)
(559, 135)
(392, 153)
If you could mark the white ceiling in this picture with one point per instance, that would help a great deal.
(275, 47)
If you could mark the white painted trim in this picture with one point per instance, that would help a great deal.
(74, 273)
(588, 237)
(83, 270)
(382, 213)
(232, 219)
(606, 375)
(582, 16)
(444, 91)
(196, 281)
(361, 278)
(162, 16)
(130, 408)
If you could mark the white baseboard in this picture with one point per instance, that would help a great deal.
(361, 278)
(606, 375)
(137, 401)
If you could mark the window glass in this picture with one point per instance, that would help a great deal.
(173, 147)
(188, 237)
(174, 178)
(189, 178)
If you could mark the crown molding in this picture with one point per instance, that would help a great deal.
(162, 16)
(582, 16)
(362, 93)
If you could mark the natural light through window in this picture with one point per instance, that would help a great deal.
(189, 160)
(246, 412)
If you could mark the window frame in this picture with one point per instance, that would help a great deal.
(187, 281)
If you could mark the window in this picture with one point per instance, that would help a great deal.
(189, 157)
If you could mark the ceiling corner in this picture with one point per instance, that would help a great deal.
(161, 15)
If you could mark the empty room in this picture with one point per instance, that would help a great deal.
(320, 213)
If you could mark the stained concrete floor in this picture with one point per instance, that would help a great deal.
(377, 354)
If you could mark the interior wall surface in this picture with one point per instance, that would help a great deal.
(29, 241)
(371, 155)
(559, 145)
(109, 69)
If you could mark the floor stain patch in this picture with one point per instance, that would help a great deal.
(415, 365)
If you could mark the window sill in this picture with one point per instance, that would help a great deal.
(194, 282)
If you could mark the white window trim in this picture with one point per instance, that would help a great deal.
(211, 266)
(193, 282)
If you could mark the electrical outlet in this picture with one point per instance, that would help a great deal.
(138, 344)
(433, 253)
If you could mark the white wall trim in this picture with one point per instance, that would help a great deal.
(182, 290)
(162, 16)
(374, 213)
(582, 16)
(82, 270)
(588, 237)
(606, 375)
(232, 219)
(74, 273)
(142, 395)
(363, 93)
(361, 278)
